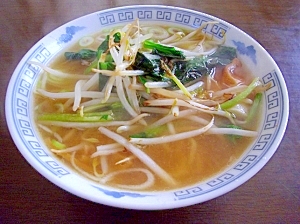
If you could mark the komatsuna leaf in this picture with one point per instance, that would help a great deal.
(222, 56)
(163, 50)
(189, 70)
(83, 54)
(88, 54)
(150, 64)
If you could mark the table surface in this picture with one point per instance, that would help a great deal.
(271, 196)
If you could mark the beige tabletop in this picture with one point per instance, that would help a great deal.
(271, 196)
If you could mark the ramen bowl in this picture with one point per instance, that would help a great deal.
(19, 110)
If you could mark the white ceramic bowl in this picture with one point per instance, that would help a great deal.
(21, 125)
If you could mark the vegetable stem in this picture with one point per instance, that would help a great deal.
(163, 50)
(254, 107)
(57, 144)
(88, 117)
(175, 79)
(230, 103)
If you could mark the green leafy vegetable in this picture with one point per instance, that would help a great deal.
(108, 63)
(88, 117)
(143, 81)
(83, 54)
(150, 132)
(187, 71)
(150, 64)
(163, 50)
(234, 101)
(102, 81)
(222, 56)
(107, 66)
(104, 46)
(233, 138)
(169, 74)
(90, 67)
(254, 109)
(117, 37)
(94, 56)
(57, 144)
(107, 108)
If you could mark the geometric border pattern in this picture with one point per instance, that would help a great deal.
(21, 104)
(166, 15)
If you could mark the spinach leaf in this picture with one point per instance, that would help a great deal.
(87, 54)
(163, 50)
(83, 54)
(187, 71)
(150, 64)
(117, 37)
(222, 56)
(104, 46)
